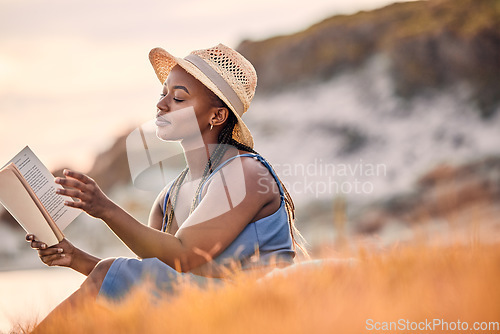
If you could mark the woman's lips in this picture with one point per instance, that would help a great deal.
(160, 121)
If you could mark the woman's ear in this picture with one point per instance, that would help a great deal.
(220, 116)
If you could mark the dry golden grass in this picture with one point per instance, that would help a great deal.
(414, 283)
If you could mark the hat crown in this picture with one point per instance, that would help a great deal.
(235, 69)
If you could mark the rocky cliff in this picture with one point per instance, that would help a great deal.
(455, 194)
(431, 45)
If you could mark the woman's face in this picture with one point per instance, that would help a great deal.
(185, 108)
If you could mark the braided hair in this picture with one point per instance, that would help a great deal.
(225, 139)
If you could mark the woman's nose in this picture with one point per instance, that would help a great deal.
(162, 105)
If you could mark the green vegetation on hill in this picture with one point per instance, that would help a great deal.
(430, 45)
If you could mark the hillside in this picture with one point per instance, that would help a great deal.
(430, 44)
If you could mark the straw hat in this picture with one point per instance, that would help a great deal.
(222, 70)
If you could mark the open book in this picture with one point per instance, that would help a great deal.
(28, 192)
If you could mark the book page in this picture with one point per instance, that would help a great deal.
(19, 203)
(42, 182)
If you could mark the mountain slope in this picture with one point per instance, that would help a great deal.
(430, 44)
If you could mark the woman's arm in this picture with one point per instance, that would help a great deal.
(156, 213)
(215, 223)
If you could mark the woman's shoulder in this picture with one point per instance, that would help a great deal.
(250, 163)
(256, 172)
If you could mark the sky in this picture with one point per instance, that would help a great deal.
(75, 74)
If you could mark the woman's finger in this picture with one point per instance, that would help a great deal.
(50, 259)
(70, 192)
(78, 176)
(76, 204)
(38, 245)
(69, 182)
(50, 251)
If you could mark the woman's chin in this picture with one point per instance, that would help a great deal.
(164, 134)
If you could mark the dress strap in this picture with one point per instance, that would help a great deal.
(166, 198)
(165, 201)
(253, 155)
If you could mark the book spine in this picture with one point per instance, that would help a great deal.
(57, 232)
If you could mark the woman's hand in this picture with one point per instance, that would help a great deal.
(90, 197)
(61, 254)
(64, 254)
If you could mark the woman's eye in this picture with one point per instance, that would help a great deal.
(162, 96)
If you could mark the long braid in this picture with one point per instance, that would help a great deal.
(172, 199)
(290, 206)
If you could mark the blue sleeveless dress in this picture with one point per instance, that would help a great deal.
(270, 235)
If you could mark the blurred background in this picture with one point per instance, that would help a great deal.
(381, 118)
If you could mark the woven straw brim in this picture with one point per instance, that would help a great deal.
(163, 62)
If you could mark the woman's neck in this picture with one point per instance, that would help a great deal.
(197, 153)
(197, 159)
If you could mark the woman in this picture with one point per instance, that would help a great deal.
(227, 205)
